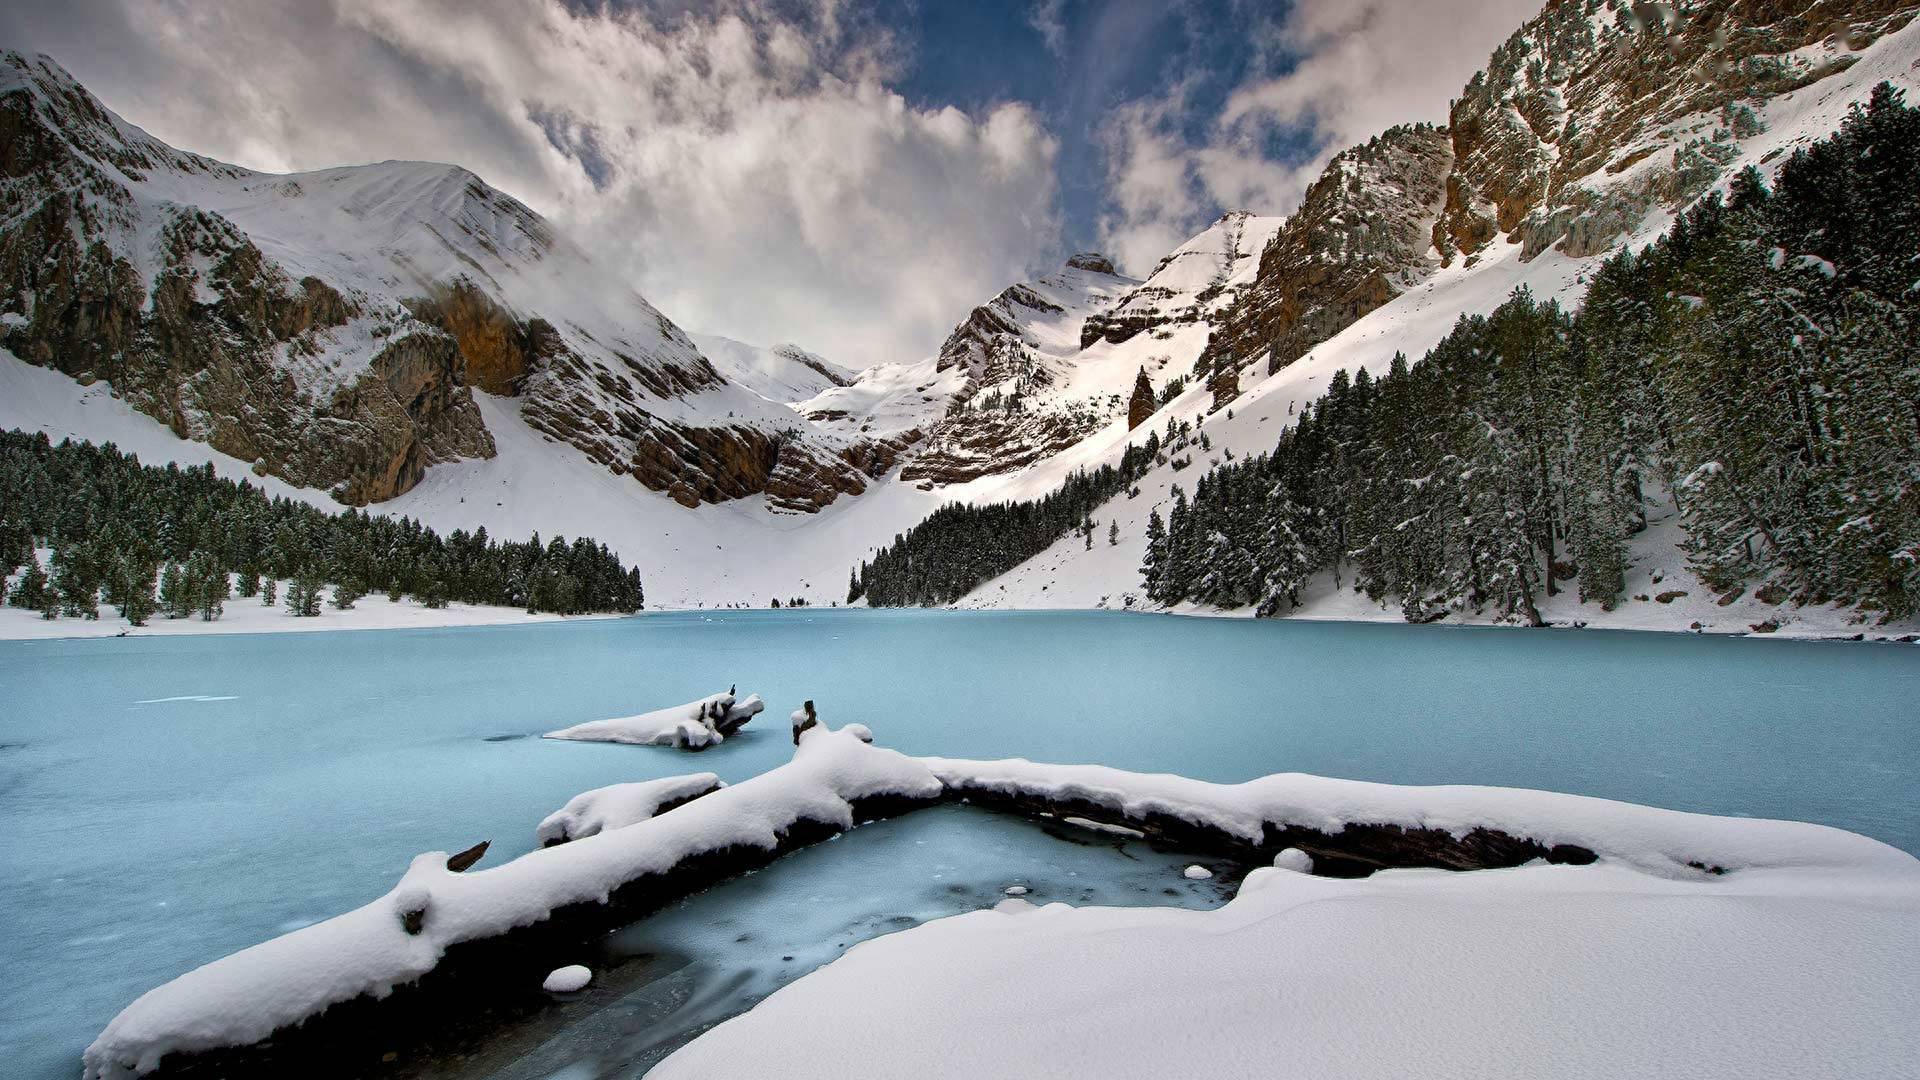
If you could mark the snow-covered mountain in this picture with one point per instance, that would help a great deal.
(332, 326)
(1195, 282)
(1589, 128)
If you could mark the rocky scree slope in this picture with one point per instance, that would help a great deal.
(332, 326)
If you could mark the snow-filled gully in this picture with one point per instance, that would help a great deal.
(447, 957)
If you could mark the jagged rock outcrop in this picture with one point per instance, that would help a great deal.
(1596, 112)
(499, 349)
(1589, 117)
(1194, 283)
(1007, 363)
(1141, 404)
(1360, 238)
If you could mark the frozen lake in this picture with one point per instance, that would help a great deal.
(166, 801)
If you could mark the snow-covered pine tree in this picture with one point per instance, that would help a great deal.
(33, 581)
(176, 601)
(135, 590)
(79, 594)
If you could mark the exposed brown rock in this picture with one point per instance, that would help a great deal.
(1571, 100)
(461, 861)
(1358, 240)
(496, 346)
(1140, 406)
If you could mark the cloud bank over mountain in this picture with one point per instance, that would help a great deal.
(776, 173)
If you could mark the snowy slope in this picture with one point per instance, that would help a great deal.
(1197, 281)
(1566, 972)
(783, 373)
(710, 556)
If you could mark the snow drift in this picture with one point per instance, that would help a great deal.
(616, 806)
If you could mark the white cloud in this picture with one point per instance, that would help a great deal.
(1362, 66)
(750, 174)
(1047, 17)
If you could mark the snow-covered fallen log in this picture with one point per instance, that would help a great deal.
(1693, 946)
(1351, 827)
(695, 725)
(482, 937)
(619, 805)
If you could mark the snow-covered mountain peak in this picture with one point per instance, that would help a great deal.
(43, 88)
(1193, 283)
(276, 316)
(1094, 261)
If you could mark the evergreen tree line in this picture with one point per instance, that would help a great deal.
(958, 547)
(1759, 366)
(165, 539)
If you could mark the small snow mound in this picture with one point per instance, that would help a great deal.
(695, 725)
(1016, 890)
(1196, 872)
(1013, 906)
(1294, 859)
(619, 805)
(567, 979)
(859, 731)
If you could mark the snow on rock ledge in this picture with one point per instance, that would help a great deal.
(619, 805)
(693, 726)
(244, 998)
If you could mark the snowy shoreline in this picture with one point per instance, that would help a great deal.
(377, 613)
(245, 615)
(443, 945)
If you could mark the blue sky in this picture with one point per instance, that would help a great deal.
(1109, 52)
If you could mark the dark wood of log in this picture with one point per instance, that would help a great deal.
(811, 721)
(460, 860)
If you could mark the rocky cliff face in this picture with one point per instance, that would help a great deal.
(1591, 116)
(192, 323)
(1597, 112)
(1360, 238)
(332, 326)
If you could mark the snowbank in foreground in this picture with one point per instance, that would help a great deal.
(693, 726)
(243, 998)
(1543, 971)
(616, 806)
(1798, 961)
